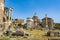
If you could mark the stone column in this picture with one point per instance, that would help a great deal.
(46, 21)
(52, 23)
(5, 24)
(10, 17)
(10, 14)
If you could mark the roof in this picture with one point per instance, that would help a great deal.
(47, 18)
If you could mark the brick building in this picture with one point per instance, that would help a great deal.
(18, 22)
(36, 21)
(48, 22)
(3, 15)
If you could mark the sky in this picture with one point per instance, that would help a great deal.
(26, 8)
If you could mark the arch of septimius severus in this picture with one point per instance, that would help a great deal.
(5, 15)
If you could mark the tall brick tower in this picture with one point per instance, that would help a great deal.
(1, 10)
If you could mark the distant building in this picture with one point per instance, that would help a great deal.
(36, 21)
(30, 24)
(19, 21)
(47, 22)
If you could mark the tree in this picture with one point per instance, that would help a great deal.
(57, 26)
